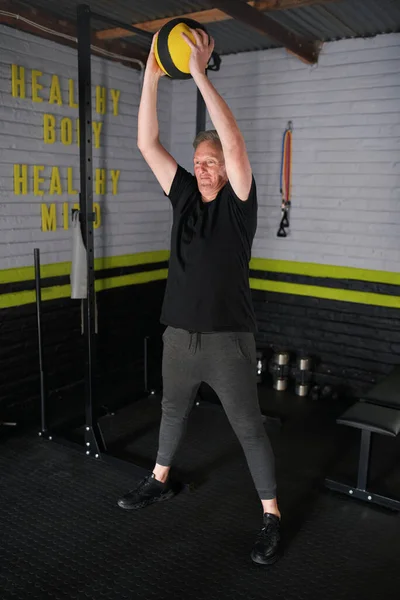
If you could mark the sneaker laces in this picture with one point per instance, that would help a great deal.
(269, 533)
(142, 484)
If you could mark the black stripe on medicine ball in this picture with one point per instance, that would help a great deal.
(162, 46)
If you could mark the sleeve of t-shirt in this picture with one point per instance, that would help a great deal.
(251, 202)
(183, 184)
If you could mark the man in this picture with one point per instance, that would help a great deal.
(207, 305)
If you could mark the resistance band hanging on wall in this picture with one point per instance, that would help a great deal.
(286, 180)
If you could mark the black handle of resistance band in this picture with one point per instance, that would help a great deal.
(283, 224)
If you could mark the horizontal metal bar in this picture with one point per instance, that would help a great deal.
(116, 23)
(365, 495)
(122, 464)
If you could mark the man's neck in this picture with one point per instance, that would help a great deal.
(211, 196)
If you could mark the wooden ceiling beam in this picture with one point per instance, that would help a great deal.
(301, 47)
(213, 15)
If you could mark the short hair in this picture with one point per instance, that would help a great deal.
(206, 136)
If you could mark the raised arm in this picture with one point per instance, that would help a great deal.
(160, 161)
(237, 162)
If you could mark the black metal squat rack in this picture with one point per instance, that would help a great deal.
(94, 444)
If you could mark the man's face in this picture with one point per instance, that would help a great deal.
(209, 169)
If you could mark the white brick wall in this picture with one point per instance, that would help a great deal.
(346, 147)
(135, 220)
(346, 167)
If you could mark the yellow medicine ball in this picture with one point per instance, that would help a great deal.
(171, 50)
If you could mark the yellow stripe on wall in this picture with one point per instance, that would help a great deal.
(64, 291)
(59, 269)
(29, 296)
(259, 264)
(279, 266)
(316, 291)
(131, 260)
(329, 271)
(28, 273)
(132, 279)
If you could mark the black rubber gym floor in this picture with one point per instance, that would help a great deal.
(63, 536)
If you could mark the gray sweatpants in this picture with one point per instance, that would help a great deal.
(227, 362)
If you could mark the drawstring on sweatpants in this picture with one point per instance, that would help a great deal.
(194, 341)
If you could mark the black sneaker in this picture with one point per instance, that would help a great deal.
(148, 491)
(266, 548)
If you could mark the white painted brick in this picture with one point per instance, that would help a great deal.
(346, 178)
(311, 86)
(137, 219)
(346, 147)
(280, 71)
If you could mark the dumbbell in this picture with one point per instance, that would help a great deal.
(279, 369)
(302, 375)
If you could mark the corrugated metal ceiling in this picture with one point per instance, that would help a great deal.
(329, 20)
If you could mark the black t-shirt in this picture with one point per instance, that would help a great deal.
(208, 279)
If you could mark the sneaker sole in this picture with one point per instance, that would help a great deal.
(259, 560)
(145, 503)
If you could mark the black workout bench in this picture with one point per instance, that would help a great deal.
(377, 412)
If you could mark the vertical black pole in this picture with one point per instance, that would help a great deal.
(201, 110)
(87, 215)
(363, 464)
(200, 113)
(43, 391)
(146, 374)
